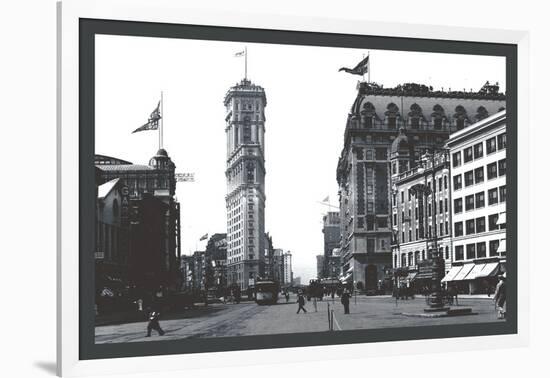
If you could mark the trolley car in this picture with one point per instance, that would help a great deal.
(267, 292)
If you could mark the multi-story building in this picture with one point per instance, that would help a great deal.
(288, 276)
(245, 176)
(278, 266)
(153, 260)
(320, 266)
(363, 172)
(331, 238)
(215, 263)
(421, 215)
(112, 236)
(478, 172)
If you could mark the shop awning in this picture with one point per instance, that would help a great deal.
(466, 268)
(452, 273)
(501, 246)
(489, 270)
(475, 272)
(346, 278)
(501, 219)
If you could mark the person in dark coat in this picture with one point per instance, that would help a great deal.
(345, 300)
(500, 297)
(154, 316)
(301, 302)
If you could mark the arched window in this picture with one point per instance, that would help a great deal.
(438, 117)
(482, 113)
(368, 115)
(415, 116)
(461, 117)
(392, 114)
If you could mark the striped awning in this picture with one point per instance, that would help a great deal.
(452, 273)
(475, 272)
(466, 268)
(489, 270)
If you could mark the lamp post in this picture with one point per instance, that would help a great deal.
(438, 264)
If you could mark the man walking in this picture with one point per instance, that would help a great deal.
(301, 302)
(345, 300)
(500, 297)
(154, 323)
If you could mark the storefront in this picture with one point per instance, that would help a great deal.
(474, 278)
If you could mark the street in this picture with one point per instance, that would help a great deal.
(251, 319)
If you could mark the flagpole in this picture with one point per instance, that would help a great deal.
(161, 121)
(245, 63)
(363, 69)
(368, 69)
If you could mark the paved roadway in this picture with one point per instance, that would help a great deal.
(250, 319)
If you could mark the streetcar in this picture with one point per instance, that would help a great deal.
(267, 292)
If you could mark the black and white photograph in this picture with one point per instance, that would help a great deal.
(247, 189)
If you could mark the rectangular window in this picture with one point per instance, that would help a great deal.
(468, 155)
(370, 207)
(440, 183)
(470, 202)
(470, 227)
(369, 154)
(459, 252)
(493, 196)
(457, 182)
(480, 200)
(392, 121)
(416, 213)
(446, 205)
(382, 222)
(460, 123)
(410, 235)
(441, 228)
(481, 250)
(502, 167)
(480, 225)
(402, 197)
(471, 251)
(438, 123)
(493, 222)
(458, 205)
(440, 206)
(493, 247)
(479, 176)
(502, 191)
(459, 229)
(469, 178)
(381, 154)
(478, 150)
(501, 141)
(368, 122)
(491, 145)
(492, 171)
(445, 181)
(446, 228)
(457, 159)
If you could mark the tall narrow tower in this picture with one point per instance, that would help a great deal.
(245, 176)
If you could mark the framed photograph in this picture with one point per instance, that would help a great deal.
(248, 187)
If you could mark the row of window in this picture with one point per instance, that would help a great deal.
(477, 175)
(418, 235)
(412, 259)
(477, 225)
(476, 250)
(477, 201)
(476, 152)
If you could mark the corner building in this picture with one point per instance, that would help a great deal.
(364, 172)
(245, 176)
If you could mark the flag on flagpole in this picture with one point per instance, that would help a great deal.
(204, 237)
(240, 53)
(153, 122)
(360, 69)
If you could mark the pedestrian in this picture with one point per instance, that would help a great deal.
(153, 322)
(500, 297)
(287, 296)
(345, 300)
(315, 303)
(301, 302)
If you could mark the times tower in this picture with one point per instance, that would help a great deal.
(245, 176)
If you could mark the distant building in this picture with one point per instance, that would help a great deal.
(320, 266)
(331, 238)
(216, 259)
(297, 281)
(278, 266)
(478, 172)
(287, 268)
(363, 172)
(245, 176)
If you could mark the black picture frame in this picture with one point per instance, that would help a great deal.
(89, 28)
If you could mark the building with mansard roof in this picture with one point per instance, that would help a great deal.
(364, 173)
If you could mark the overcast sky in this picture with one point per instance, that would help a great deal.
(307, 105)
